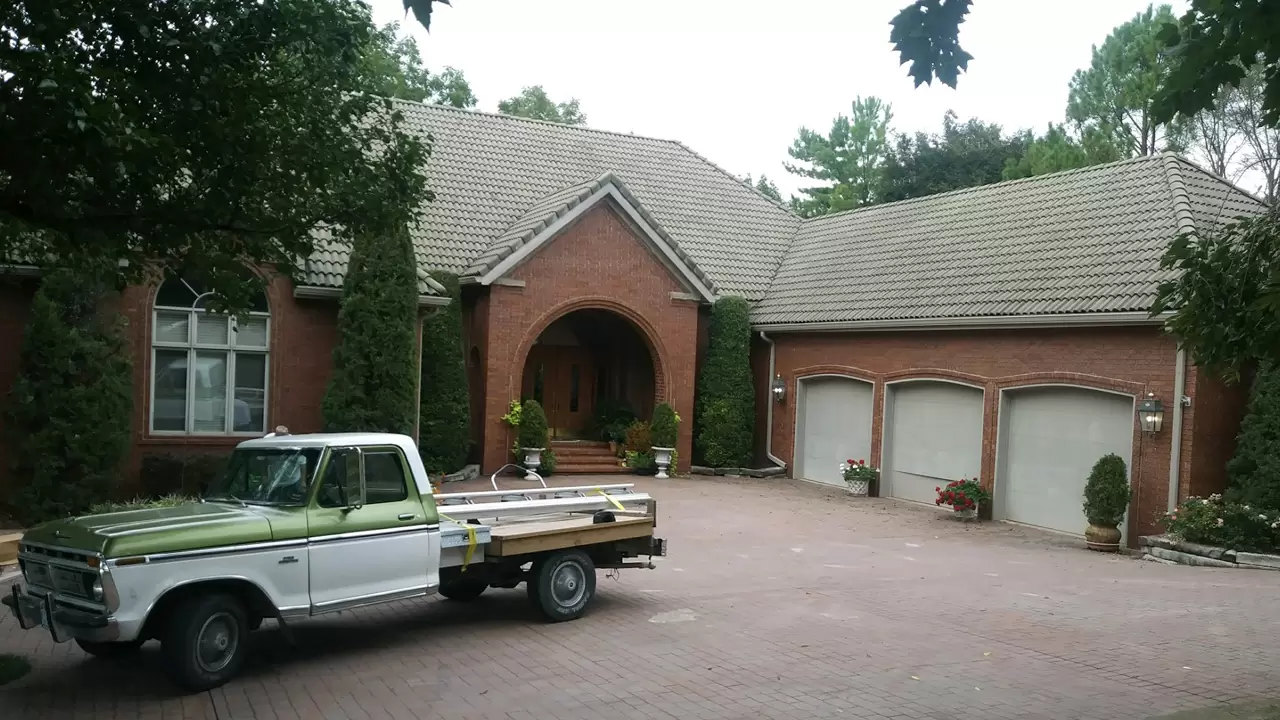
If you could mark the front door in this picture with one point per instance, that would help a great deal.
(379, 551)
(563, 380)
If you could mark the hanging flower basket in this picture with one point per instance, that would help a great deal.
(858, 475)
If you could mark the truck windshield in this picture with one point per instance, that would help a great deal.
(266, 476)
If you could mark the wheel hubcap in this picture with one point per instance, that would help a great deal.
(568, 584)
(217, 642)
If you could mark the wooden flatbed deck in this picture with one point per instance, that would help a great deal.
(524, 538)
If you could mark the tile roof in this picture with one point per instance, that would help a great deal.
(1081, 241)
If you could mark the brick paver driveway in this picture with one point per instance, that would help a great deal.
(778, 600)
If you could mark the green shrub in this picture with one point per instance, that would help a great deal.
(665, 427)
(166, 474)
(612, 418)
(641, 462)
(547, 468)
(142, 503)
(1106, 494)
(724, 418)
(444, 416)
(1226, 524)
(1253, 475)
(533, 425)
(638, 438)
(375, 380)
(71, 405)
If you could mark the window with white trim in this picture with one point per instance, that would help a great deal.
(208, 370)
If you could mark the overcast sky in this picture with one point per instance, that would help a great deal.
(735, 79)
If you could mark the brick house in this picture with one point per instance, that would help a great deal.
(998, 331)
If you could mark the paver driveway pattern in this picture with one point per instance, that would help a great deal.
(778, 600)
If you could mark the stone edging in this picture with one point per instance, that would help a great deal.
(469, 472)
(1171, 551)
(738, 472)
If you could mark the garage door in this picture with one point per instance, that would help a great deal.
(934, 436)
(1050, 439)
(834, 425)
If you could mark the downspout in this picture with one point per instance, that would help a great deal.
(1175, 453)
(768, 425)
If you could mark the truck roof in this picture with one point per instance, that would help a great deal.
(406, 444)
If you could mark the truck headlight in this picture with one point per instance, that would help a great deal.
(98, 593)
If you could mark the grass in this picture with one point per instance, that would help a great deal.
(13, 667)
(172, 500)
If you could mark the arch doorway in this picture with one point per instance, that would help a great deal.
(585, 365)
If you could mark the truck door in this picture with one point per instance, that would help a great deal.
(370, 551)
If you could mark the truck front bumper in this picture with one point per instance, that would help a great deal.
(63, 622)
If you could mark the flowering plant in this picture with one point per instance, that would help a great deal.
(963, 494)
(1214, 521)
(858, 471)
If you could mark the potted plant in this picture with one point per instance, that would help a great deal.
(638, 448)
(1106, 497)
(965, 497)
(664, 430)
(533, 436)
(858, 476)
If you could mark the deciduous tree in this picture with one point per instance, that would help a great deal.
(964, 155)
(395, 70)
(532, 102)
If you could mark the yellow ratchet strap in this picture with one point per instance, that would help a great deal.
(611, 499)
(471, 540)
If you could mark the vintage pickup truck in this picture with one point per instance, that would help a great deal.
(302, 525)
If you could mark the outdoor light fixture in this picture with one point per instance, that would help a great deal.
(779, 388)
(1151, 414)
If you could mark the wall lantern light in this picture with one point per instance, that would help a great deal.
(1151, 414)
(779, 388)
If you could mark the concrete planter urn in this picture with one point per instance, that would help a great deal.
(662, 458)
(1102, 538)
(532, 459)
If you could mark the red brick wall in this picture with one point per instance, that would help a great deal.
(15, 304)
(598, 262)
(1129, 360)
(1218, 409)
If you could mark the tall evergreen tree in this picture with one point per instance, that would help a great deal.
(724, 418)
(70, 407)
(375, 365)
(444, 416)
(1253, 475)
(848, 160)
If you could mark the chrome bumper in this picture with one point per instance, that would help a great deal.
(34, 610)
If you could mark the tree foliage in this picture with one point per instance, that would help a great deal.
(1225, 294)
(964, 155)
(1058, 150)
(70, 408)
(665, 426)
(724, 419)
(444, 414)
(375, 364)
(201, 133)
(1106, 493)
(532, 102)
(395, 69)
(1246, 115)
(765, 186)
(533, 425)
(926, 34)
(849, 159)
(1253, 475)
(1116, 94)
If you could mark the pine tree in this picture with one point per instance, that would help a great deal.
(71, 406)
(375, 364)
(1253, 475)
(725, 413)
(444, 416)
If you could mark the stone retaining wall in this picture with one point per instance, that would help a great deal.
(1169, 550)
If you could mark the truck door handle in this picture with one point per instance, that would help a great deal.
(405, 516)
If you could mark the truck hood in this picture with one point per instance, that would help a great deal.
(191, 526)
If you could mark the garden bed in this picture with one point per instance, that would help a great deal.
(1171, 550)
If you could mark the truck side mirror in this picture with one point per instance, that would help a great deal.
(353, 483)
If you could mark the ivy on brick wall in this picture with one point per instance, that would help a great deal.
(70, 407)
(375, 365)
(724, 417)
(444, 417)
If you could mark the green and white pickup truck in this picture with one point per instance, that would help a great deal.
(302, 525)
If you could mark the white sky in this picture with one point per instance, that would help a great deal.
(735, 79)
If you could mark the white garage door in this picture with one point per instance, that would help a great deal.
(834, 425)
(934, 436)
(1050, 439)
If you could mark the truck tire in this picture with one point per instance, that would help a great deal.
(204, 641)
(108, 650)
(563, 584)
(462, 589)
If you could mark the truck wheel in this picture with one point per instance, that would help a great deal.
(463, 589)
(204, 641)
(108, 650)
(563, 584)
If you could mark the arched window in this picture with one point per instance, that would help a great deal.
(208, 370)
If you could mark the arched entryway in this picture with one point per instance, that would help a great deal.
(587, 365)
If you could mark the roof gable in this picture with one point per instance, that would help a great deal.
(549, 216)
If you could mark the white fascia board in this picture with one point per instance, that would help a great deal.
(995, 322)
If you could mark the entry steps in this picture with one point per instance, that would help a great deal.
(586, 457)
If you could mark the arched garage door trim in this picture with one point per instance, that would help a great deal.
(1002, 469)
(803, 436)
(888, 422)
